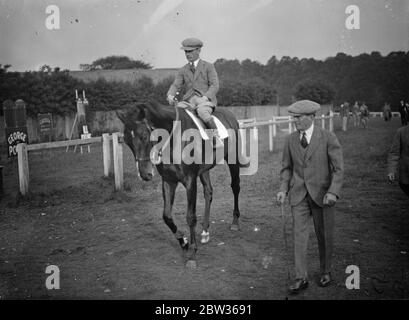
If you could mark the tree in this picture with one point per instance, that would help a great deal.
(115, 63)
(45, 68)
(317, 91)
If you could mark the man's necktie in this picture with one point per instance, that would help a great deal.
(304, 142)
(192, 67)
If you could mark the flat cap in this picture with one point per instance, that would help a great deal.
(304, 107)
(191, 44)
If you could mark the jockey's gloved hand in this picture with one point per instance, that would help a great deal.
(171, 99)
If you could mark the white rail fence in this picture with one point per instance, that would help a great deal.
(110, 158)
(276, 123)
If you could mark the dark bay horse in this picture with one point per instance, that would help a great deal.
(139, 122)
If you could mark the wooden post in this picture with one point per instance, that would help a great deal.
(23, 168)
(274, 127)
(270, 136)
(106, 152)
(323, 121)
(331, 121)
(118, 162)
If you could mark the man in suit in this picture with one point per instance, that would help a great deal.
(404, 113)
(200, 80)
(398, 159)
(311, 175)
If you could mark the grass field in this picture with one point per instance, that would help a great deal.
(114, 245)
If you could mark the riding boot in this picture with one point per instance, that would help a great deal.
(218, 141)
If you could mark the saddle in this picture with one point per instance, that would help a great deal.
(223, 133)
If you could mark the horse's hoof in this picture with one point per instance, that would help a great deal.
(205, 237)
(234, 227)
(191, 264)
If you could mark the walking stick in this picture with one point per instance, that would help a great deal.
(288, 278)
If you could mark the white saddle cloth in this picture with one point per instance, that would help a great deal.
(223, 133)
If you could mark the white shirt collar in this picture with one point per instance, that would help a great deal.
(196, 62)
(308, 133)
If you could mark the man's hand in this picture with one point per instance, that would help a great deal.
(171, 99)
(281, 197)
(329, 199)
(391, 177)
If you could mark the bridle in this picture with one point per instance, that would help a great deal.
(150, 129)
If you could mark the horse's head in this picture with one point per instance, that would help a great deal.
(137, 136)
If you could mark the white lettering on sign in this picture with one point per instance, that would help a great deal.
(17, 136)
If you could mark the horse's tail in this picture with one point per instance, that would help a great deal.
(232, 123)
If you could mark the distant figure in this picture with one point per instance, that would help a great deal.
(355, 114)
(398, 159)
(344, 114)
(387, 112)
(404, 113)
(364, 112)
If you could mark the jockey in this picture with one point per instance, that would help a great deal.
(200, 79)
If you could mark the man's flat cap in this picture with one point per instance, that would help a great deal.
(304, 107)
(191, 44)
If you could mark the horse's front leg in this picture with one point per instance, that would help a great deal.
(191, 219)
(208, 195)
(168, 192)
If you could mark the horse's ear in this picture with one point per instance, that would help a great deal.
(136, 113)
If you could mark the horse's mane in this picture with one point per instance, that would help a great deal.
(162, 116)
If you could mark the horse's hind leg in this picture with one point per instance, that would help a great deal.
(208, 195)
(235, 185)
(168, 192)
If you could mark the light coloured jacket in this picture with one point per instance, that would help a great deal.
(204, 81)
(321, 170)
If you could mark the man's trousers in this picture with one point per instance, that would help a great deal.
(324, 226)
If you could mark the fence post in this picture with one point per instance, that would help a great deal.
(331, 121)
(270, 135)
(323, 121)
(274, 127)
(106, 152)
(23, 172)
(118, 162)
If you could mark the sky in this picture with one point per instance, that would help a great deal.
(152, 30)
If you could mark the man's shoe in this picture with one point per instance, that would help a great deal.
(325, 280)
(298, 286)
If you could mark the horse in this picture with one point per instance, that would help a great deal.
(139, 123)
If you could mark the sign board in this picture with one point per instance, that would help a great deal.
(15, 125)
(14, 136)
(45, 122)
